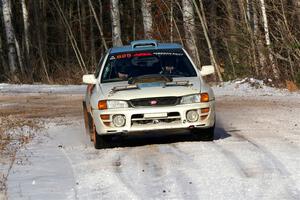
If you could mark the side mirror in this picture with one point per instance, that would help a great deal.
(207, 70)
(89, 79)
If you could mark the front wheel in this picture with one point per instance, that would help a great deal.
(101, 141)
(204, 134)
(88, 121)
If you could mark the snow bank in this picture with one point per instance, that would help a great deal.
(250, 87)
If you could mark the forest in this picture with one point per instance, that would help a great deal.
(57, 41)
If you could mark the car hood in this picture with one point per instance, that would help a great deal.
(148, 90)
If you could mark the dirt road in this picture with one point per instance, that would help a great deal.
(255, 154)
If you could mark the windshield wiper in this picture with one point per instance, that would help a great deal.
(176, 75)
(122, 88)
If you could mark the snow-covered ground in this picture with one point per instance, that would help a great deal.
(255, 154)
(38, 88)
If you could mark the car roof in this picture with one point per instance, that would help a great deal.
(143, 45)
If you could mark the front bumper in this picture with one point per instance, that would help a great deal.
(138, 120)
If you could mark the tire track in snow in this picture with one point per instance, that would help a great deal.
(154, 177)
(95, 174)
(230, 156)
(73, 172)
(243, 169)
(278, 167)
(236, 162)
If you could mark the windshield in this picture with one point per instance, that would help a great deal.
(125, 66)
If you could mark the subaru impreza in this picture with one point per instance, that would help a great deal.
(147, 86)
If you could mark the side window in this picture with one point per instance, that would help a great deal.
(98, 68)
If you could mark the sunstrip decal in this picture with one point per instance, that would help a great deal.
(168, 53)
(125, 55)
(144, 54)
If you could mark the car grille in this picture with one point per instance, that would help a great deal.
(156, 101)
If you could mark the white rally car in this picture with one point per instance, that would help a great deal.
(147, 86)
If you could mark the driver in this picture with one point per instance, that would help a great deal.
(122, 70)
(168, 68)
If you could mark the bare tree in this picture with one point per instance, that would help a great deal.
(39, 40)
(10, 38)
(297, 8)
(71, 37)
(147, 18)
(189, 29)
(205, 31)
(115, 23)
(134, 20)
(98, 24)
(2, 60)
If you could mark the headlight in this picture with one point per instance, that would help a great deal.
(116, 104)
(190, 99)
(111, 104)
(195, 98)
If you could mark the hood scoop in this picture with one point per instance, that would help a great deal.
(149, 79)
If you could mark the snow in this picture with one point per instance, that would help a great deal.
(250, 87)
(244, 87)
(255, 154)
(38, 88)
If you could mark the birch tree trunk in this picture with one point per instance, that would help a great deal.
(260, 47)
(10, 38)
(267, 38)
(147, 18)
(116, 26)
(26, 27)
(189, 29)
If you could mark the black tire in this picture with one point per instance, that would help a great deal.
(101, 141)
(88, 121)
(204, 134)
(86, 118)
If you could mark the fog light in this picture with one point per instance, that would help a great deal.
(192, 116)
(204, 117)
(119, 120)
(104, 117)
(204, 110)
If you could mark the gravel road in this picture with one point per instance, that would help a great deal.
(255, 154)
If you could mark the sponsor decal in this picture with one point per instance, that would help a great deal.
(168, 53)
(142, 54)
(125, 55)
